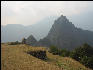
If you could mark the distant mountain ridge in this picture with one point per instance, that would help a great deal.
(64, 34)
(15, 32)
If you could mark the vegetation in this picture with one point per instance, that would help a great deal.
(61, 52)
(64, 53)
(15, 57)
(14, 43)
(83, 54)
(54, 50)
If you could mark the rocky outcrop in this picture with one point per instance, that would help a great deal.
(31, 40)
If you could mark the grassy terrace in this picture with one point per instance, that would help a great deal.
(14, 57)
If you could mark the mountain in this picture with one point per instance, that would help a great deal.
(31, 40)
(64, 34)
(14, 32)
(41, 29)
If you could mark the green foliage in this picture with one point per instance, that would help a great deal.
(84, 54)
(58, 63)
(87, 61)
(14, 43)
(90, 61)
(54, 50)
(64, 53)
(61, 52)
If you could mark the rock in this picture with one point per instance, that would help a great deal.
(31, 40)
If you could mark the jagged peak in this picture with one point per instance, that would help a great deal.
(62, 19)
(31, 37)
(63, 22)
(31, 40)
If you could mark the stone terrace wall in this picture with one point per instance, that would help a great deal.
(38, 54)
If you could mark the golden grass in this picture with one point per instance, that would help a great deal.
(14, 57)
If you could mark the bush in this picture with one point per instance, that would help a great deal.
(87, 61)
(90, 62)
(76, 55)
(64, 53)
(14, 43)
(54, 50)
(60, 52)
(84, 54)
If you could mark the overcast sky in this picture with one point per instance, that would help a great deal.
(31, 12)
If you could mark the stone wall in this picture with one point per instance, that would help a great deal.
(38, 54)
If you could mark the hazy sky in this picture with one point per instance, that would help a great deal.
(30, 12)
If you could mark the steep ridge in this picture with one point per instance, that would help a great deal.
(64, 34)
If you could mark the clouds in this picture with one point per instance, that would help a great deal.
(30, 12)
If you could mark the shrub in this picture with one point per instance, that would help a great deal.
(14, 43)
(84, 54)
(54, 50)
(61, 52)
(64, 53)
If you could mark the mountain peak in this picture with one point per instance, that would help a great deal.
(62, 24)
(31, 40)
(62, 19)
(64, 34)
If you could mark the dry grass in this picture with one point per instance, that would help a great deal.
(14, 57)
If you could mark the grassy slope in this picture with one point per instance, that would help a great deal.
(14, 57)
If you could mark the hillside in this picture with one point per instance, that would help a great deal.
(64, 34)
(14, 57)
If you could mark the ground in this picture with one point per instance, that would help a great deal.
(14, 57)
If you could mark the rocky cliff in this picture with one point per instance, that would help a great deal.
(64, 34)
